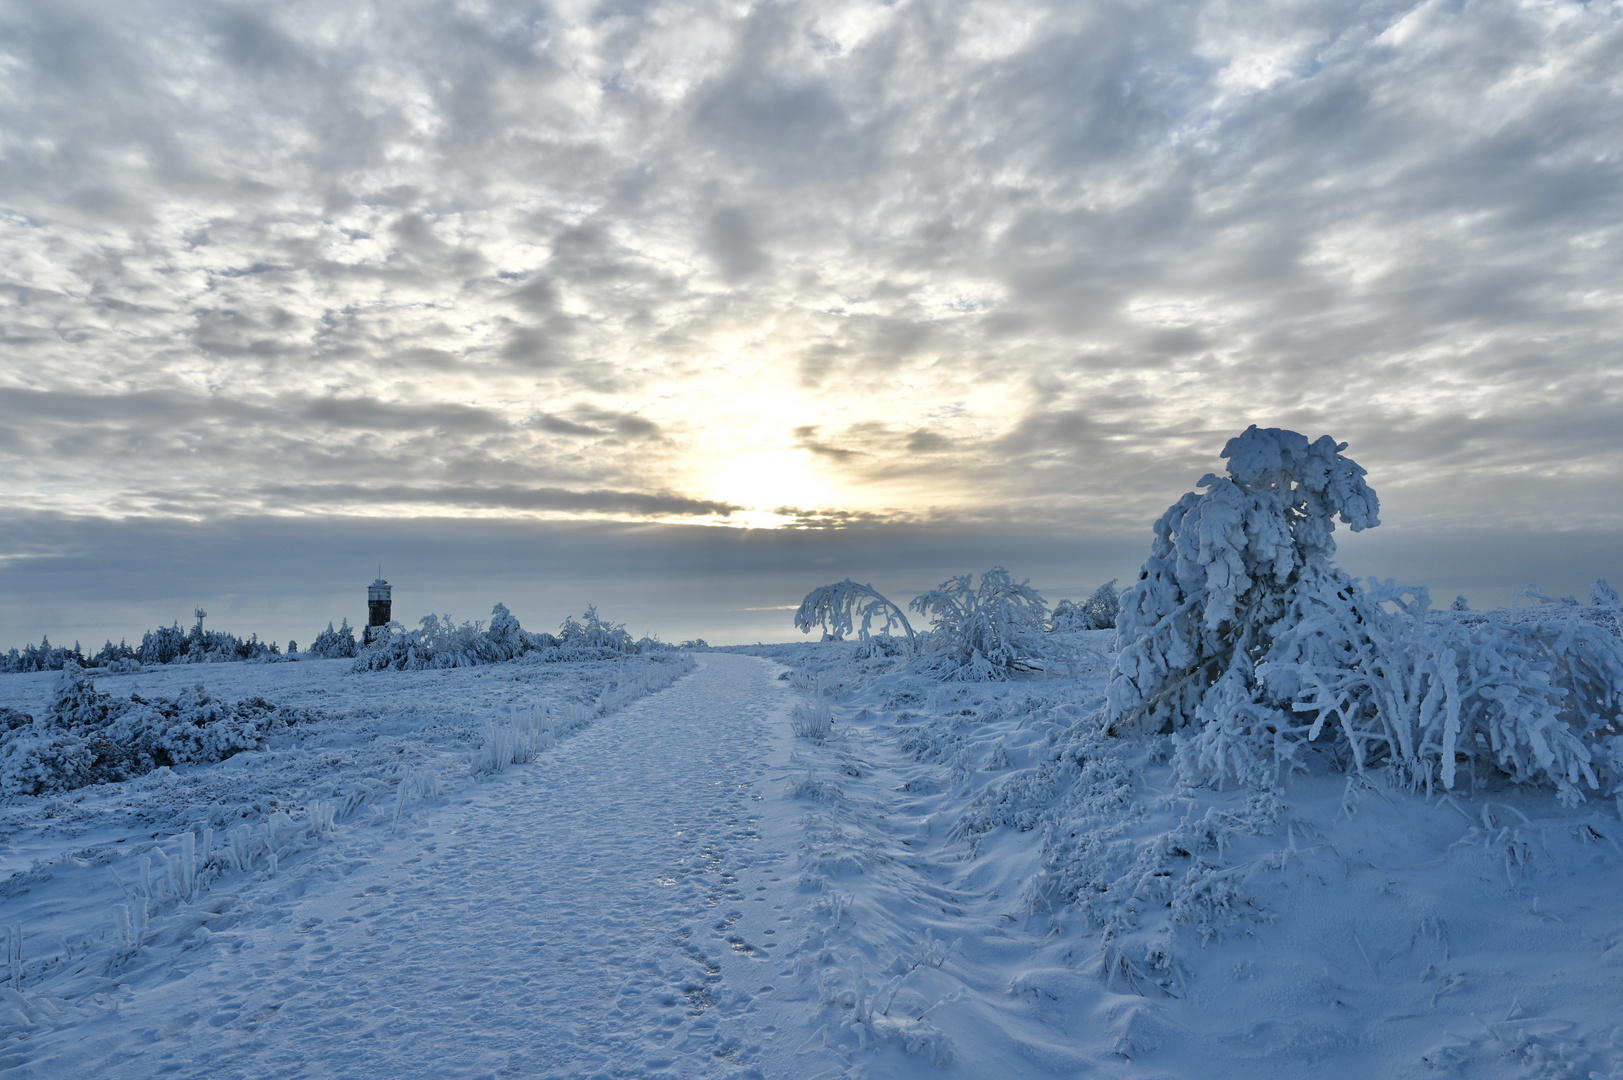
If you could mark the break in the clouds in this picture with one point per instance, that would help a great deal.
(783, 263)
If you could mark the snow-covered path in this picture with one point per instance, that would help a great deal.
(612, 909)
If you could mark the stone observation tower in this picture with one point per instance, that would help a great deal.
(377, 607)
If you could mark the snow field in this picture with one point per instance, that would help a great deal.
(605, 912)
(996, 881)
(843, 869)
(120, 876)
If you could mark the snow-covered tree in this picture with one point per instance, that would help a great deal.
(1097, 612)
(985, 632)
(333, 644)
(592, 633)
(1229, 567)
(42, 657)
(845, 606)
(1242, 639)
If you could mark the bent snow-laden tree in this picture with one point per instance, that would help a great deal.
(845, 606)
(1244, 640)
(987, 632)
(1229, 568)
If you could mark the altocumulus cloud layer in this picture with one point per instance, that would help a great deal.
(805, 262)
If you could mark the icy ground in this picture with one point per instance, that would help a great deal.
(682, 887)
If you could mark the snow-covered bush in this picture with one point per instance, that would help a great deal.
(440, 643)
(812, 720)
(1537, 702)
(986, 632)
(1535, 595)
(593, 637)
(87, 737)
(1097, 612)
(1243, 639)
(192, 728)
(1068, 616)
(845, 606)
(332, 644)
(1603, 594)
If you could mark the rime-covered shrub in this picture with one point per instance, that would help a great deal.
(1603, 594)
(192, 728)
(1441, 698)
(1097, 612)
(436, 643)
(1068, 616)
(846, 606)
(332, 644)
(987, 632)
(1243, 640)
(1535, 595)
(87, 737)
(591, 637)
(440, 643)
(984, 632)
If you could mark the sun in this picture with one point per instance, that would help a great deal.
(766, 479)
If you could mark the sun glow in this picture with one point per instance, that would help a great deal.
(766, 480)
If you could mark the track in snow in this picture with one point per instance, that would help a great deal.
(612, 910)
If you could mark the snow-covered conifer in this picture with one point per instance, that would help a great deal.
(333, 644)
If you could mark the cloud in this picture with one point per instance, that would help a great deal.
(961, 262)
(432, 500)
(731, 241)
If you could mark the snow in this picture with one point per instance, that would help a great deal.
(814, 861)
(604, 911)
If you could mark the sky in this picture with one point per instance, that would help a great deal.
(685, 308)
